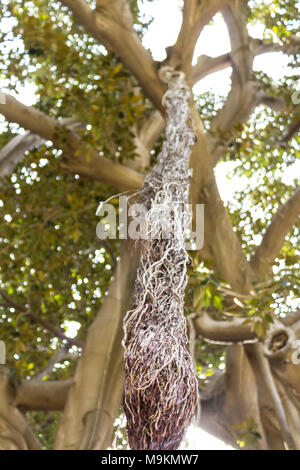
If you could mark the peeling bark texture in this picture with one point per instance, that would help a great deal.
(160, 393)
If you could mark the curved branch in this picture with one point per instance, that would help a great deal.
(293, 129)
(244, 94)
(14, 151)
(15, 434)
(224, 332)
(196, 15)
(80, 157)
(43, 395)
(281, 224)
(95, 397)
(206, 65)
(222, 242)
(111, 24)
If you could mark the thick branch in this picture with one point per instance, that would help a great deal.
(291, 318)
(15, 434)
(262, 371)
(234, 331)
(206, 65)
(80, 157)
(292, 130)
(240, 382)
(235, 16)
(14, 151)
(152, 127)
(95, 397)
(281, 223)
(43, 395)
(111, 24)
(184, 48)
(196, 15)
(222, 241)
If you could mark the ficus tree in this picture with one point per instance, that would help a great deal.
(95, 131)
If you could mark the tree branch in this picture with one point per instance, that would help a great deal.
(206, 65)
(79, 156)
(293, 129)
(14, 151)
(15, 434)
(223, 243)
(281, 223)
(240, 382)
(244, 94)
(196, 15)
(223, 332)
(262, 372)
(152, 127)
(58, 332)
(43, 395)
(289, 46)
(95, 397)
(111, 24)
(274, 102)
(291, 318)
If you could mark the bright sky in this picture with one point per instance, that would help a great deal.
(213, 41)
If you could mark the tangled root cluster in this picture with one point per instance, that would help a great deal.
(161, 391)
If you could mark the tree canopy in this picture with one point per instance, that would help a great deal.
(94, 131)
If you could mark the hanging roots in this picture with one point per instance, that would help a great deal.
(161, 392)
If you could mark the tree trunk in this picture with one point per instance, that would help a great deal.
(95, 396)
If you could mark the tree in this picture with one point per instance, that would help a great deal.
(94, 131)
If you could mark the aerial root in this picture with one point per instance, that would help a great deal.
(161, 391)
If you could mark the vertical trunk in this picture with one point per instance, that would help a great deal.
(95, 396)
